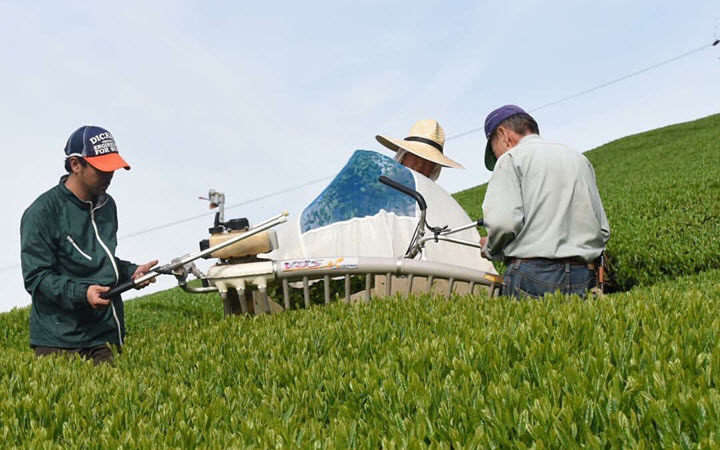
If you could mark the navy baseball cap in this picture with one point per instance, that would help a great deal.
(97, 146)
(492, 121)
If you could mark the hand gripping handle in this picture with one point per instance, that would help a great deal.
(117, 290)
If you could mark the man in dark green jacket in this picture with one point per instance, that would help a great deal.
(68, 240)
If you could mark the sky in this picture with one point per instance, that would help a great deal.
(253, 98)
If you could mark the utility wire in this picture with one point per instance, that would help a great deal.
(198, 216)
(602, 85)
(246, 202)
(6, 268)
(456, 136)
(475, 130)
(630, 75)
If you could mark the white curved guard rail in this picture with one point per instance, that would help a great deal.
(235, 277)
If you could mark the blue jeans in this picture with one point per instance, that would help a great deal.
(537, 277)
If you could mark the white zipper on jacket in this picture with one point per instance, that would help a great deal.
(112, 261)
(70, 239)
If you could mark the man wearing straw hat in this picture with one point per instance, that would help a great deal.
(542, 209)
(422, 149)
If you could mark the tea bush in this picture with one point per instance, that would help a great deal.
(661, 192)
(633, 369)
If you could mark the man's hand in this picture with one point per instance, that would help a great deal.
(93, 296)
(141, 271)
(483, 251)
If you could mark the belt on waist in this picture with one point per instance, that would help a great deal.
(573, 261)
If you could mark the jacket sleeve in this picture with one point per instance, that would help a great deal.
(38, 257)
(125, 269)
(502, 208)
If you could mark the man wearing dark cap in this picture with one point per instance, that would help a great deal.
(542, 209)
(68, 240)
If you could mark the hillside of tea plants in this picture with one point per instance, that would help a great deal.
(639, 368)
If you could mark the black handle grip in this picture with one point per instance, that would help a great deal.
(405, 190)
(117, 290)
(480, 223)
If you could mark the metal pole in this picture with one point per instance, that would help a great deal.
(449, 239)
(347, 288)
(461, 228)
(286, 294)
(265, 299)
(410, 279)
(306, 292)
(451, 281)
(326, 287)
(277, 220)
(368, 286)
(430, 280)
(243, 299)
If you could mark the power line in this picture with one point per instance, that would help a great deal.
(625, 77)
(602, 85)
(198, 216)
(456, 136)
(6, 268)
(246, 202)
(474, 130)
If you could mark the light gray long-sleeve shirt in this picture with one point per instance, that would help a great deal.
(543, 202)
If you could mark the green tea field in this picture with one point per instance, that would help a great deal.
(636, 368)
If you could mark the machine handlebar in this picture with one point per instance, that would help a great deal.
(117, 290)
(405, 190)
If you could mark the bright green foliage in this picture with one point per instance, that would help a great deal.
(634, 369)
(661, 192)
(471, 200)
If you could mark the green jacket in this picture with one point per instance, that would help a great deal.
(68, 244)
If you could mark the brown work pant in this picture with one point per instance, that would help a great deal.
(99, 354)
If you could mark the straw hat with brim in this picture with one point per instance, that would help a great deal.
(426, 140)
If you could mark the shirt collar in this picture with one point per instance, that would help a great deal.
(68, 193)
(530, 138)
(524, 140)
(99, 203)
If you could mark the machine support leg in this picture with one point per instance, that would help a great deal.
(410, 279)
(451, 282)
(242, 295)
(368, 286)
(326, 287)
(286, 294)
(347, 288)
(306, 292)
(264, 299)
